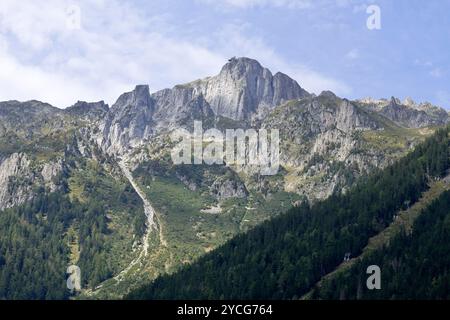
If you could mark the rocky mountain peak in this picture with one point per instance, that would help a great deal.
(88, 110)
(409, 102)
(241, 67)
(129, 120)
(395, 101)
(327, 94)
(412, 116)
(244, 87)
(138, 98)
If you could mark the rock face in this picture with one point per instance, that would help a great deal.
(224, 189)
(243, 90)
(129, 121)
(13, 172)
(18, 176)
(88, 111)
(408, 113)
(29, 117)
(319, 135)
(243, 87)
(180, 105)
(49, 171)
(240, 91)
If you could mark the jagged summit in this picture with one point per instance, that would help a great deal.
(244, 88)
(408, 113)
(140, 96)
(327, 94)
(409, 102)
(129, 120)
(110, 167)
(88, 110)
(241, 66)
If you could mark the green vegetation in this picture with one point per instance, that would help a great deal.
(91, 222)
(284, 257)
(32, 248)
(413, 266)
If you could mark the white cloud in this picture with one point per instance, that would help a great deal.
(236, 43)
(116, 48)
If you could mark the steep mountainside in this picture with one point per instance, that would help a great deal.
(84, 154)
(283, 258)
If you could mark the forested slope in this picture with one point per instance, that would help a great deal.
(284, 257)
(74, 225)
(413, 266)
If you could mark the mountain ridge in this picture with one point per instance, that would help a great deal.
(326, 144)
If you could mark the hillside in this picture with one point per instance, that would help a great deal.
(414, 264)
(284, 257)
(99, 180)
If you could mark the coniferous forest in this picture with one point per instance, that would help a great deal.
(283, 258)
(204, 154)
(414, 266)
(35, 239)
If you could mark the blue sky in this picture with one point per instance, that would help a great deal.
(46, 54)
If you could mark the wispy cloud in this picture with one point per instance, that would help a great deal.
(234, 40)
(117, 47)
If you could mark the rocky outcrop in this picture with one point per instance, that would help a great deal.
(29, 118)
(408, 113)
(180, 106)
(49, 171)
(19, 175)
(243, 87)
(129, 121)
(88, 111)
(319, 136)
(223, 189)
(14, 187)
(242, 90)
(406, 116)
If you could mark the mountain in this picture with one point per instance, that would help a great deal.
(100, 183)
(422, 246)
(283, 258)
(86, 110)
(408, 113)
(129, 120)
(242, 90)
